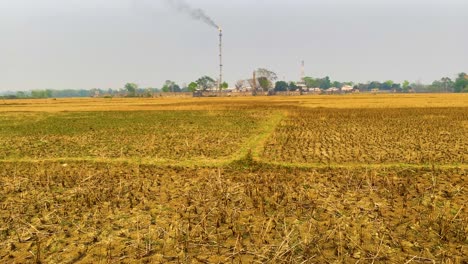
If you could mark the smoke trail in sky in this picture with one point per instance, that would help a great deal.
(195, 13)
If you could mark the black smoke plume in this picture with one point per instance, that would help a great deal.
(195, 13)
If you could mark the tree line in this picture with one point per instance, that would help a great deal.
(203, 83)
(445, 84)
(265, 80)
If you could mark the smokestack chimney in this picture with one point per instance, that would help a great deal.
(220, 58)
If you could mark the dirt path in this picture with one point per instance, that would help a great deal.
(218, 163)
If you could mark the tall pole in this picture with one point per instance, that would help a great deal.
(302, 71)
(254, 83)
(302, 83)
(220, 59)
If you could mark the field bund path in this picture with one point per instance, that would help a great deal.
(354, 101)
(310, 131)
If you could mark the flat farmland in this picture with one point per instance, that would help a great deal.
(377, 136)
(312, 179)
(137, 135)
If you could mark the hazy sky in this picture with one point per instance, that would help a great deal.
(61, 44)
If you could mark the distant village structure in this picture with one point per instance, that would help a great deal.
(301, 85)
(265, 84)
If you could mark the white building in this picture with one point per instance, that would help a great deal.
(347, 88)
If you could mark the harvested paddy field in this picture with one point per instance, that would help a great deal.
(319, 179)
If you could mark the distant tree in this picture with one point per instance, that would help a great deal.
(83, 93)
(396, 87)
(374, 85)
(387, 85)
(436, 87)
(38, 94)
(447, 83)
(293, 86)
(281, 86)
(148, 92)
(170, 86)
(48, 93)
(192, 87)
(311, 82)
(406, 86)
(8, 96)
(270, 75)
(131, 89)
(325, 83)
(406, 83)
(337, 84)
(265, 78)
(206, 83)
(21, 94)
(264, 83)
(224, 85)
(461, 83)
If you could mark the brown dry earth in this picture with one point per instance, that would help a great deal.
(96, 213)
(313, 179)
